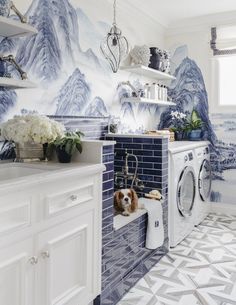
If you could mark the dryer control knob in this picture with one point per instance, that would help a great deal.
(186, 158)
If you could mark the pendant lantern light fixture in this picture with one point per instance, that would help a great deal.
(114, 46)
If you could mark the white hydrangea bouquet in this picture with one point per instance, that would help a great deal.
(31, 128)
(29, 133)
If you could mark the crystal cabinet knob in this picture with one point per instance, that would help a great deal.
(73, 197)
(33, 260)
(45, 254)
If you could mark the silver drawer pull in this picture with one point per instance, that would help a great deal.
(33, 260)
(73, 197)
(45, 254)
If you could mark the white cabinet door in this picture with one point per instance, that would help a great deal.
(16, 274)
(66, 268)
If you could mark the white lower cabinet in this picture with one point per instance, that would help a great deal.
(17, 274)
(54, 257)
(66, 258)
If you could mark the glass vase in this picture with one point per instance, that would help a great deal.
(155, 59)
(29, 152)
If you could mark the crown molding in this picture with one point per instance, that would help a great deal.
(182, 26)
(128, 6)
(200, 23)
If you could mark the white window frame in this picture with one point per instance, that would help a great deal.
(215, 106)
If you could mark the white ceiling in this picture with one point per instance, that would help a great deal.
(168, 12)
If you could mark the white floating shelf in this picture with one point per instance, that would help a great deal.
(147, 101)
(13, 28)
(148, 72)
(11, 83)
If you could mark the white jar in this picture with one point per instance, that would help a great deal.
(165, 93)
(160, 95)
(154, 91)
(147, 92)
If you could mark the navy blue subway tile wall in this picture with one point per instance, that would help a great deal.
(108, 190)
(124, 257)
(152, 155)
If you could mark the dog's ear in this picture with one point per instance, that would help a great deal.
(117, 201)
(134, 201)
(116, 197)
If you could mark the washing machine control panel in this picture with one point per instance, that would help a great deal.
(188, 157)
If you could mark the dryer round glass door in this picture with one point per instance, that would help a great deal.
(205, 180)
(186, 192)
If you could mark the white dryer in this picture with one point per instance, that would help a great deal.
(182, 191)
(204, 177)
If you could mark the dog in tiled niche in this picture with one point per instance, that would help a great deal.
(125, 202)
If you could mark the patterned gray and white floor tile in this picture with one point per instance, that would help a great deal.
(199, 271)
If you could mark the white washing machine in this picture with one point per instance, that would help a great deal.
(182, 191)
(204, 177)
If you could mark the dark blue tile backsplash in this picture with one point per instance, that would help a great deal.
(125, 259)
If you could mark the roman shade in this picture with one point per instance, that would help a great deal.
(223, 40)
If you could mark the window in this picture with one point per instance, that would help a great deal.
(227, 80)
(223, 44)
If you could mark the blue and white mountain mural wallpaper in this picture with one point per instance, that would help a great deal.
(56, 62)
(189, 92)
(65, 61)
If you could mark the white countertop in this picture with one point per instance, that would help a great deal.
(131, 135)
(102, 142)
(178, 146)
(121, 221)
(42, 171)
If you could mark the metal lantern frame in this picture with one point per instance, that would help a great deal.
(115, 46)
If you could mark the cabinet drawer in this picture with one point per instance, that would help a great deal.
(58, 202)
(15, 215)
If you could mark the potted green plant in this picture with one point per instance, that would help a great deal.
(66, 146)
(194, 127)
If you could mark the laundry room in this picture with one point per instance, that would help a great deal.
(117, 152)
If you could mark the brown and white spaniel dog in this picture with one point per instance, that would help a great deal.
(125, 201)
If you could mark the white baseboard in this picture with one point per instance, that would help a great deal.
(223, 208)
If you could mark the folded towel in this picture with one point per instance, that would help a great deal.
(155, 228)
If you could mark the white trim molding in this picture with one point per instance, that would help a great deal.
(201, 23)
